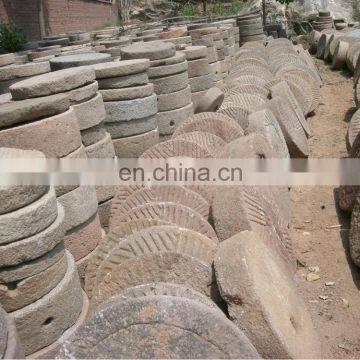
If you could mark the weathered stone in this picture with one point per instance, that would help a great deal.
(7, 59)
(90, 113)
(168, 121)
(102, 149)
(104, 214)
(236, 89)
(175, 100)
(196, 97)
(195, 52)
(69, 61)
(29, 220)
(38, 55)
(339, 58)
(213, 123)
(167, 70)
(198, 67)
(52, 83)
(124, 81)
(122, 129)
(58, 41)
(170, 84)
(211, 101)
(353, 130)
(128, 93)
(264, 122)
(134, 146)
(23, 71)
(152, 50)
(200, 83)
(14, 349)
(93, 135)
(56, 136)
(280, 326)
(79, 205)
(14, 296)
(121, 68)
(14, 112)
(177, 58)
(238, 114)
(42, 322)
(117, 111)
(83, 239)
(173, 33)
(3, 331)
(83, 93)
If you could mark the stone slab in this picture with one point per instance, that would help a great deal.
(128, 93)
(124, 81)
(167, 70)
(170, 84)
(11, 72)
(152, 50)
(83, 93)
(121, 68)
(201, 83)
(175, 100)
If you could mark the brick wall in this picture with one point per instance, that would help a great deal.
(59, 15)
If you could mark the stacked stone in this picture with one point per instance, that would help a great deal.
(10, 73)
(226, 63)
(130, 104)
(44, 53)
(79, 37)
(250, 28)
(40, 119)
(40, 286)
(113, 46)
(62, 40)
(199, 71)
(207, 37)
(168, 72)
(323, 21)
(106, 33)
(69, 61)
(177, 36)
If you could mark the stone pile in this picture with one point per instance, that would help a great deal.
(62, 40)
(79, 37)
(113, 46)
(40, 287)
(40, 118)
(251, 28)
(130, 105)
(168, 72)
(177, 36)
(323, 21)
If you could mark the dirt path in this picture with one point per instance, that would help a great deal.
(335, 308)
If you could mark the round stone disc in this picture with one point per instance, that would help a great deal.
(238, 89)
(120, 68)
(69, 61)
(354, 235)
(238, 114)
(353, 129)
(158, 327)
(152, 50)
(248, 102)
(249, 79)
(3, 332)
(279, 326)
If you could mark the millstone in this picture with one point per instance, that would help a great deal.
(15, 72)
(52, 83)
(173, 33)
(213, 124)
(250, 79)
(3, 332)
(354, 239)
(134, 146)
(69, 61)
(124, 40)
(260, 71)
(175, 100)
(167, 70)
(42, 322)
(170, 84)
(173, 194)
(238, 89)
(32, 288)
(120, 82)
(168, 121)
(264, 122)
(128, 93)
(152, 50)
(283, 90)
(120, 68)
(198, 67)
(182, 318)
(339, 59)
(239, 115)
(103, 149)
(177, 58)
(83, 93)
(280, 327)
(248, 102)
(7, 59)
(195, 52)
(126, 110)
(353, 130)
(93, 135)
(14, 349)
(211, 101)
(200, 83)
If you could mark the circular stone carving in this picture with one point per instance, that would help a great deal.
(152, 50)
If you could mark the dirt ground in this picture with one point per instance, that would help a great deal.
(320, 230)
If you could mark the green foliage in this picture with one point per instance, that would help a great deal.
(12, 38)
(219, 8)
(190, 9)
(286, 2)
(356, 10)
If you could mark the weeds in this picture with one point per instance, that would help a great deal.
(12, 38)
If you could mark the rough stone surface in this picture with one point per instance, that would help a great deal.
(104, 213)
(121, 68)
(353, 130)
(3, 332)
(198, 67)
(83, 93)
(128, 93)
(42, 322)
(117, 111)
(211, 101)
(170, 84)
(177, 58)
(280, 326)
(200, 83)
(152, 50)
(69, 61)
(93, 135)
(14, 348)
(83, 239)
(124, 81)
(14, 112)
(248, 102)
(79, 205)
(195, 52)
(264, 122)
(168, 121)
(56, 136)
(167, 70)
(175, 100)
(29, 220)
(239, 115)
(122, 129)
(339, 58)
(134, 146)
(52, 83)
(103, 149)
(213, 123)
(7, 59)
(23, 71)
(32, 288)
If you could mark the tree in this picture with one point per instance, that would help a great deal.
(284, 2)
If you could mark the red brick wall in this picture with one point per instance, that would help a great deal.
(60, 15)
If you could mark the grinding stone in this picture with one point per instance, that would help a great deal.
(93, 135)
(120, 82)
(175, 100)
(170, 84)
(200, 83)
(167, 70)
(195, 52)
(211, 101)
(121, 68)
(177, 58)
(128, 93)
(14, 71)
(83, 93)
(69, 61)
(103, 149)
(152, 50)
(198, 67)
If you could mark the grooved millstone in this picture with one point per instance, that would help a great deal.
(282, 90)
(353, 130)
(280, 326)
(138, 325)
(209, 101)
(176, 214)
(176, 148)
(69, 61)
(152, 50)
(264, 122)
(174, 194)
(260, 71)
(249, 79)
(239, 89)
(52, 83)
(239, 115)
(217, 124)
(248, 102)
(154, 241)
